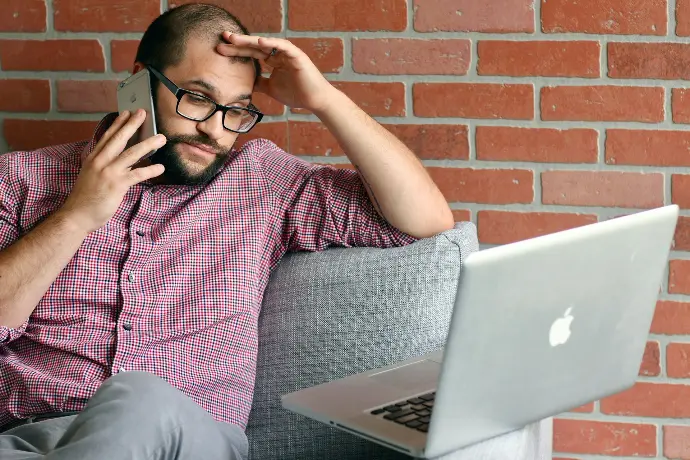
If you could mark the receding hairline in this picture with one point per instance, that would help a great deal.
(212, 37)
(177, 26)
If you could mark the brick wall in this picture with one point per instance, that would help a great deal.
(532, 116)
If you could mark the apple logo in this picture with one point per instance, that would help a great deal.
(133, 98)
(560, 329)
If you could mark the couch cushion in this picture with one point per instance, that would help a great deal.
(342, 311)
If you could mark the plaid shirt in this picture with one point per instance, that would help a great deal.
(173, 283)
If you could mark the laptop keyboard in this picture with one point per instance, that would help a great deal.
(414, 413)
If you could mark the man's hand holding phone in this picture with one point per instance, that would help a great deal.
(108, 173)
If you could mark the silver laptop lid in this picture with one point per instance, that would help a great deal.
(545, 325)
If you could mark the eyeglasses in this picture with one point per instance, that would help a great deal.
(197, 107)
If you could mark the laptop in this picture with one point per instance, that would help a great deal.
(539, 327)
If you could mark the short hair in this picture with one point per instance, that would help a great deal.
(165, 41)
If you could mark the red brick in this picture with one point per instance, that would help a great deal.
(667, 61)
(462, 215)
(681, 240)
(680, 105)
(651, 360)
(604, 438)
(100, 16)
(493, 186)
(122, 54)
(683, 18)
(312, 138)
(434, 142)
(679, 277)
(348, 15)
(429, 142)
(92, 96)
(604, 17)
(325, 53)
(671, 318)
(502, 227)
(680, 190)
(603, 188)
(256, 15)
(500, 143)
(24, 95)
(474, 100)
(501, 16)
(647, 399)
(677, 364)
(33, 134)
(267, 105)
(376, 98)
(647, 147)
(677, 442)
(585, 408)
(55, 55)
(539, 58)
(390, 56)
(276, 132)
(23, 16)
(602, 103)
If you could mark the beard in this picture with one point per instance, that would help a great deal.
(177, 172)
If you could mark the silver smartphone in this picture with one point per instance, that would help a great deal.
(135, 93)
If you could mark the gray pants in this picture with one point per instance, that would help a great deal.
(133, 415)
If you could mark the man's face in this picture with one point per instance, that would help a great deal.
(195, 151)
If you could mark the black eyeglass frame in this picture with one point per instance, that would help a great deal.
(180, 92)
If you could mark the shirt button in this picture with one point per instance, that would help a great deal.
(130, 277)
(140, 233)
(127, 327)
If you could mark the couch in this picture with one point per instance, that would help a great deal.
(338, 312)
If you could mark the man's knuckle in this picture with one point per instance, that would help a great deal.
(137, 175)
(118, 138)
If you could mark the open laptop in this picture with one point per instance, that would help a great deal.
(539, 327)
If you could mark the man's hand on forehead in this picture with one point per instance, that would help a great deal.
(294, 81)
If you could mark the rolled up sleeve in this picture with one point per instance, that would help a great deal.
(324, 206)
(8, 334)
(9, 231)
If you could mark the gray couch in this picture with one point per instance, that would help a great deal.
(334, 313)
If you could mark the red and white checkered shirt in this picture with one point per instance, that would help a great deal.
(173, 283)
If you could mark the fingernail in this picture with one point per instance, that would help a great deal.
(124, 113)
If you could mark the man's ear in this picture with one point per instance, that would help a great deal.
(138, 66)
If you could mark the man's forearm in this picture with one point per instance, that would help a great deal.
(31, 265)
(397, 182)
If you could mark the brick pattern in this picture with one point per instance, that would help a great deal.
(532, 116)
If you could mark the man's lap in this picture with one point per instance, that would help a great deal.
(132, 414)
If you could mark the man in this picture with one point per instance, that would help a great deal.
(130, 290)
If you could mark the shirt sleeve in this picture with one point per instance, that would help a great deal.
(324, 206)
(9, 232)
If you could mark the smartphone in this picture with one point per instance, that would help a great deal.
(135, 93)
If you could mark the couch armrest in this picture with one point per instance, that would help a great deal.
(339, 312)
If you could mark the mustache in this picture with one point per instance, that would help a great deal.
(196, 140)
